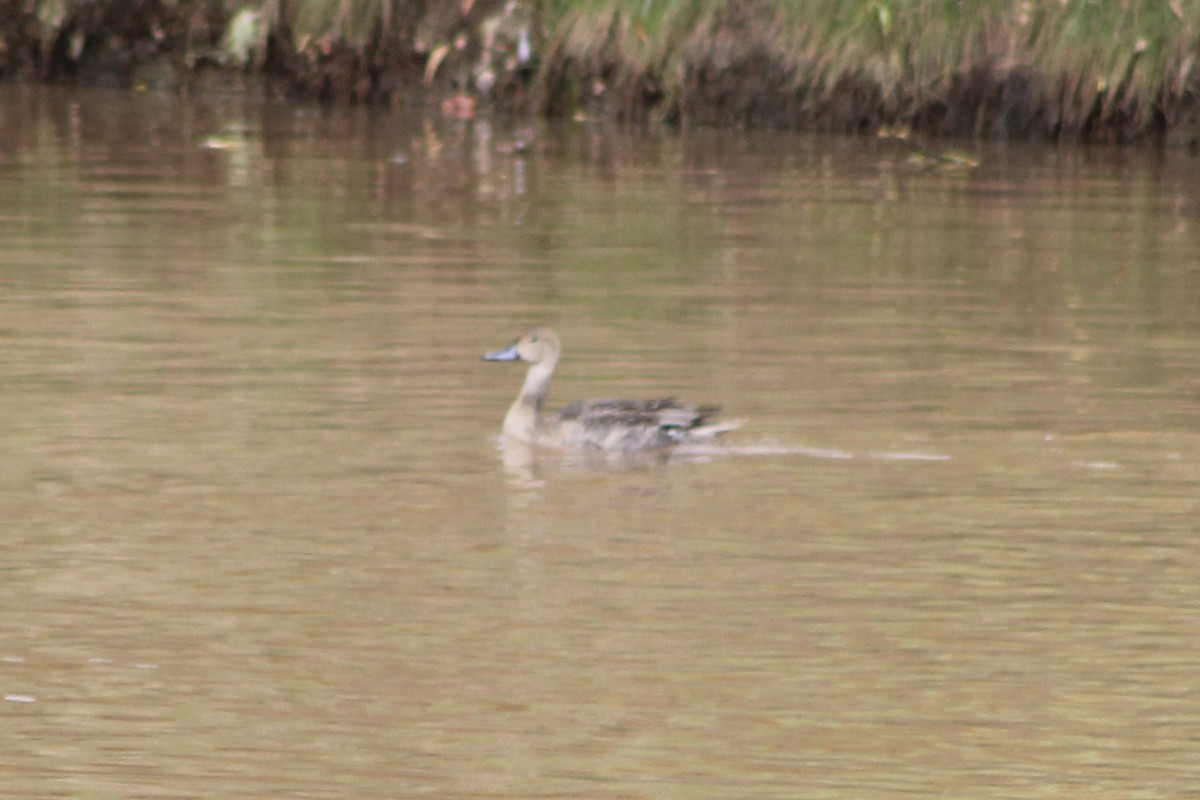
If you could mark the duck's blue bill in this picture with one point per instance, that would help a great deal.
(507, 354)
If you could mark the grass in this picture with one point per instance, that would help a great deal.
(1058, 68)
(1083, 63)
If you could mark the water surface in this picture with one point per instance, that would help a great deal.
(261, 539)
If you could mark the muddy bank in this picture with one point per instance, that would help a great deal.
(725, 64)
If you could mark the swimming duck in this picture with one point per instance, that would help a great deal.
(600, 424)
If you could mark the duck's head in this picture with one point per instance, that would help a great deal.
(539, 346)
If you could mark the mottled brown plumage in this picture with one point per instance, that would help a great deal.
(608, 424)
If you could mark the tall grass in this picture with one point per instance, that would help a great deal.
(1061, 67)
(1083, 61)
(352, 22)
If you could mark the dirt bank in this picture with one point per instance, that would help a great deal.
(735, 64)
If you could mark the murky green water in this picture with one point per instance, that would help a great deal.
(259, 539)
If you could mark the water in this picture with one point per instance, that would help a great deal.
(261, 540)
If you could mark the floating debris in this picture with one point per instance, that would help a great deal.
(926, 158)
(222, 143)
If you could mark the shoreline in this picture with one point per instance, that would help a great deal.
(1064, 72)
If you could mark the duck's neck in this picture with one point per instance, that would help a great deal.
(524, 416)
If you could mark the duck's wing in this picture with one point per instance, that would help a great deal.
(666, 412)
(640, 423)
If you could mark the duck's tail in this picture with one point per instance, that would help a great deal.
(710, 431)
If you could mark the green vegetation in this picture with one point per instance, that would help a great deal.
(1089, 69)
(1093, 68)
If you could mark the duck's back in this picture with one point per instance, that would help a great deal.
(635, 424)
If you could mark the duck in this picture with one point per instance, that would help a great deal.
(603, 424)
